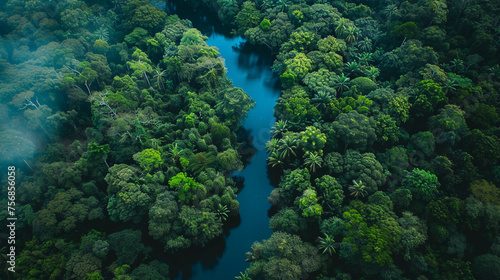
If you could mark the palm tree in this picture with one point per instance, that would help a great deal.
(102, 33)
(352, 33)
(313, 160)
(159, 76)
(450, 85)
(287, 146)
(341, 26)
(272, 145)
(341, 82)
(352, 67)
(358, 189)
(365, 45)
(279, 128)
(322, 98)
(221, 212)
(327, 244)
(390, 10)
(372, 73)
(275, 158)
(242, 277)
(175, 152)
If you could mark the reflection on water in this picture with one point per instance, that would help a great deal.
(250, 69)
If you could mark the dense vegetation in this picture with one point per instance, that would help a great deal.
(387, 137)
(137, 124)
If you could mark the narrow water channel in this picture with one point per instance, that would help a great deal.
(249, 69)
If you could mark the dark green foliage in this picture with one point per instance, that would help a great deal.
(282, 256)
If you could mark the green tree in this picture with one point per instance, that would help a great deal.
(186, 187)
(150, 159)
(247, 18)
(422, 184)
(309, 205)
(356, 129)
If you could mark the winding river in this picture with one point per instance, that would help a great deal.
(249, 69)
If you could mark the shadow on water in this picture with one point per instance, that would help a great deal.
(249, 68)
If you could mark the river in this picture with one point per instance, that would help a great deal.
(250, 69)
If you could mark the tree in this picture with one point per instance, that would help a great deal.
(150, 159)
(128, 246)
(308, 203)
(312, 140)
(354, 128)
(430, 97)
(356, 166)
(186, 187)
(287, 220)
(357, 189)
(299, 65)
(247, 18)
(331, 192)
(422, 184)
(283, 256)
(327, 244)
(486, 267)
(449, 125)
(312, 160)
(130, 203)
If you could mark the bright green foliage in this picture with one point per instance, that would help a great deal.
(312, 140)
(186, 187)
(399, 108)
(322, 80)
(283, 256)
(299, 65)
(299, 41)
(193, 37)
(308, 203)
(265, 24)
(150, 159)
(355, 129)
(422, 184)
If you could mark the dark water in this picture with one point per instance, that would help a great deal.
(249, 69)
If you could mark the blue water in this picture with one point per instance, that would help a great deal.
(251, 71)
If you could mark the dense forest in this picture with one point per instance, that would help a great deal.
(122, 127)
